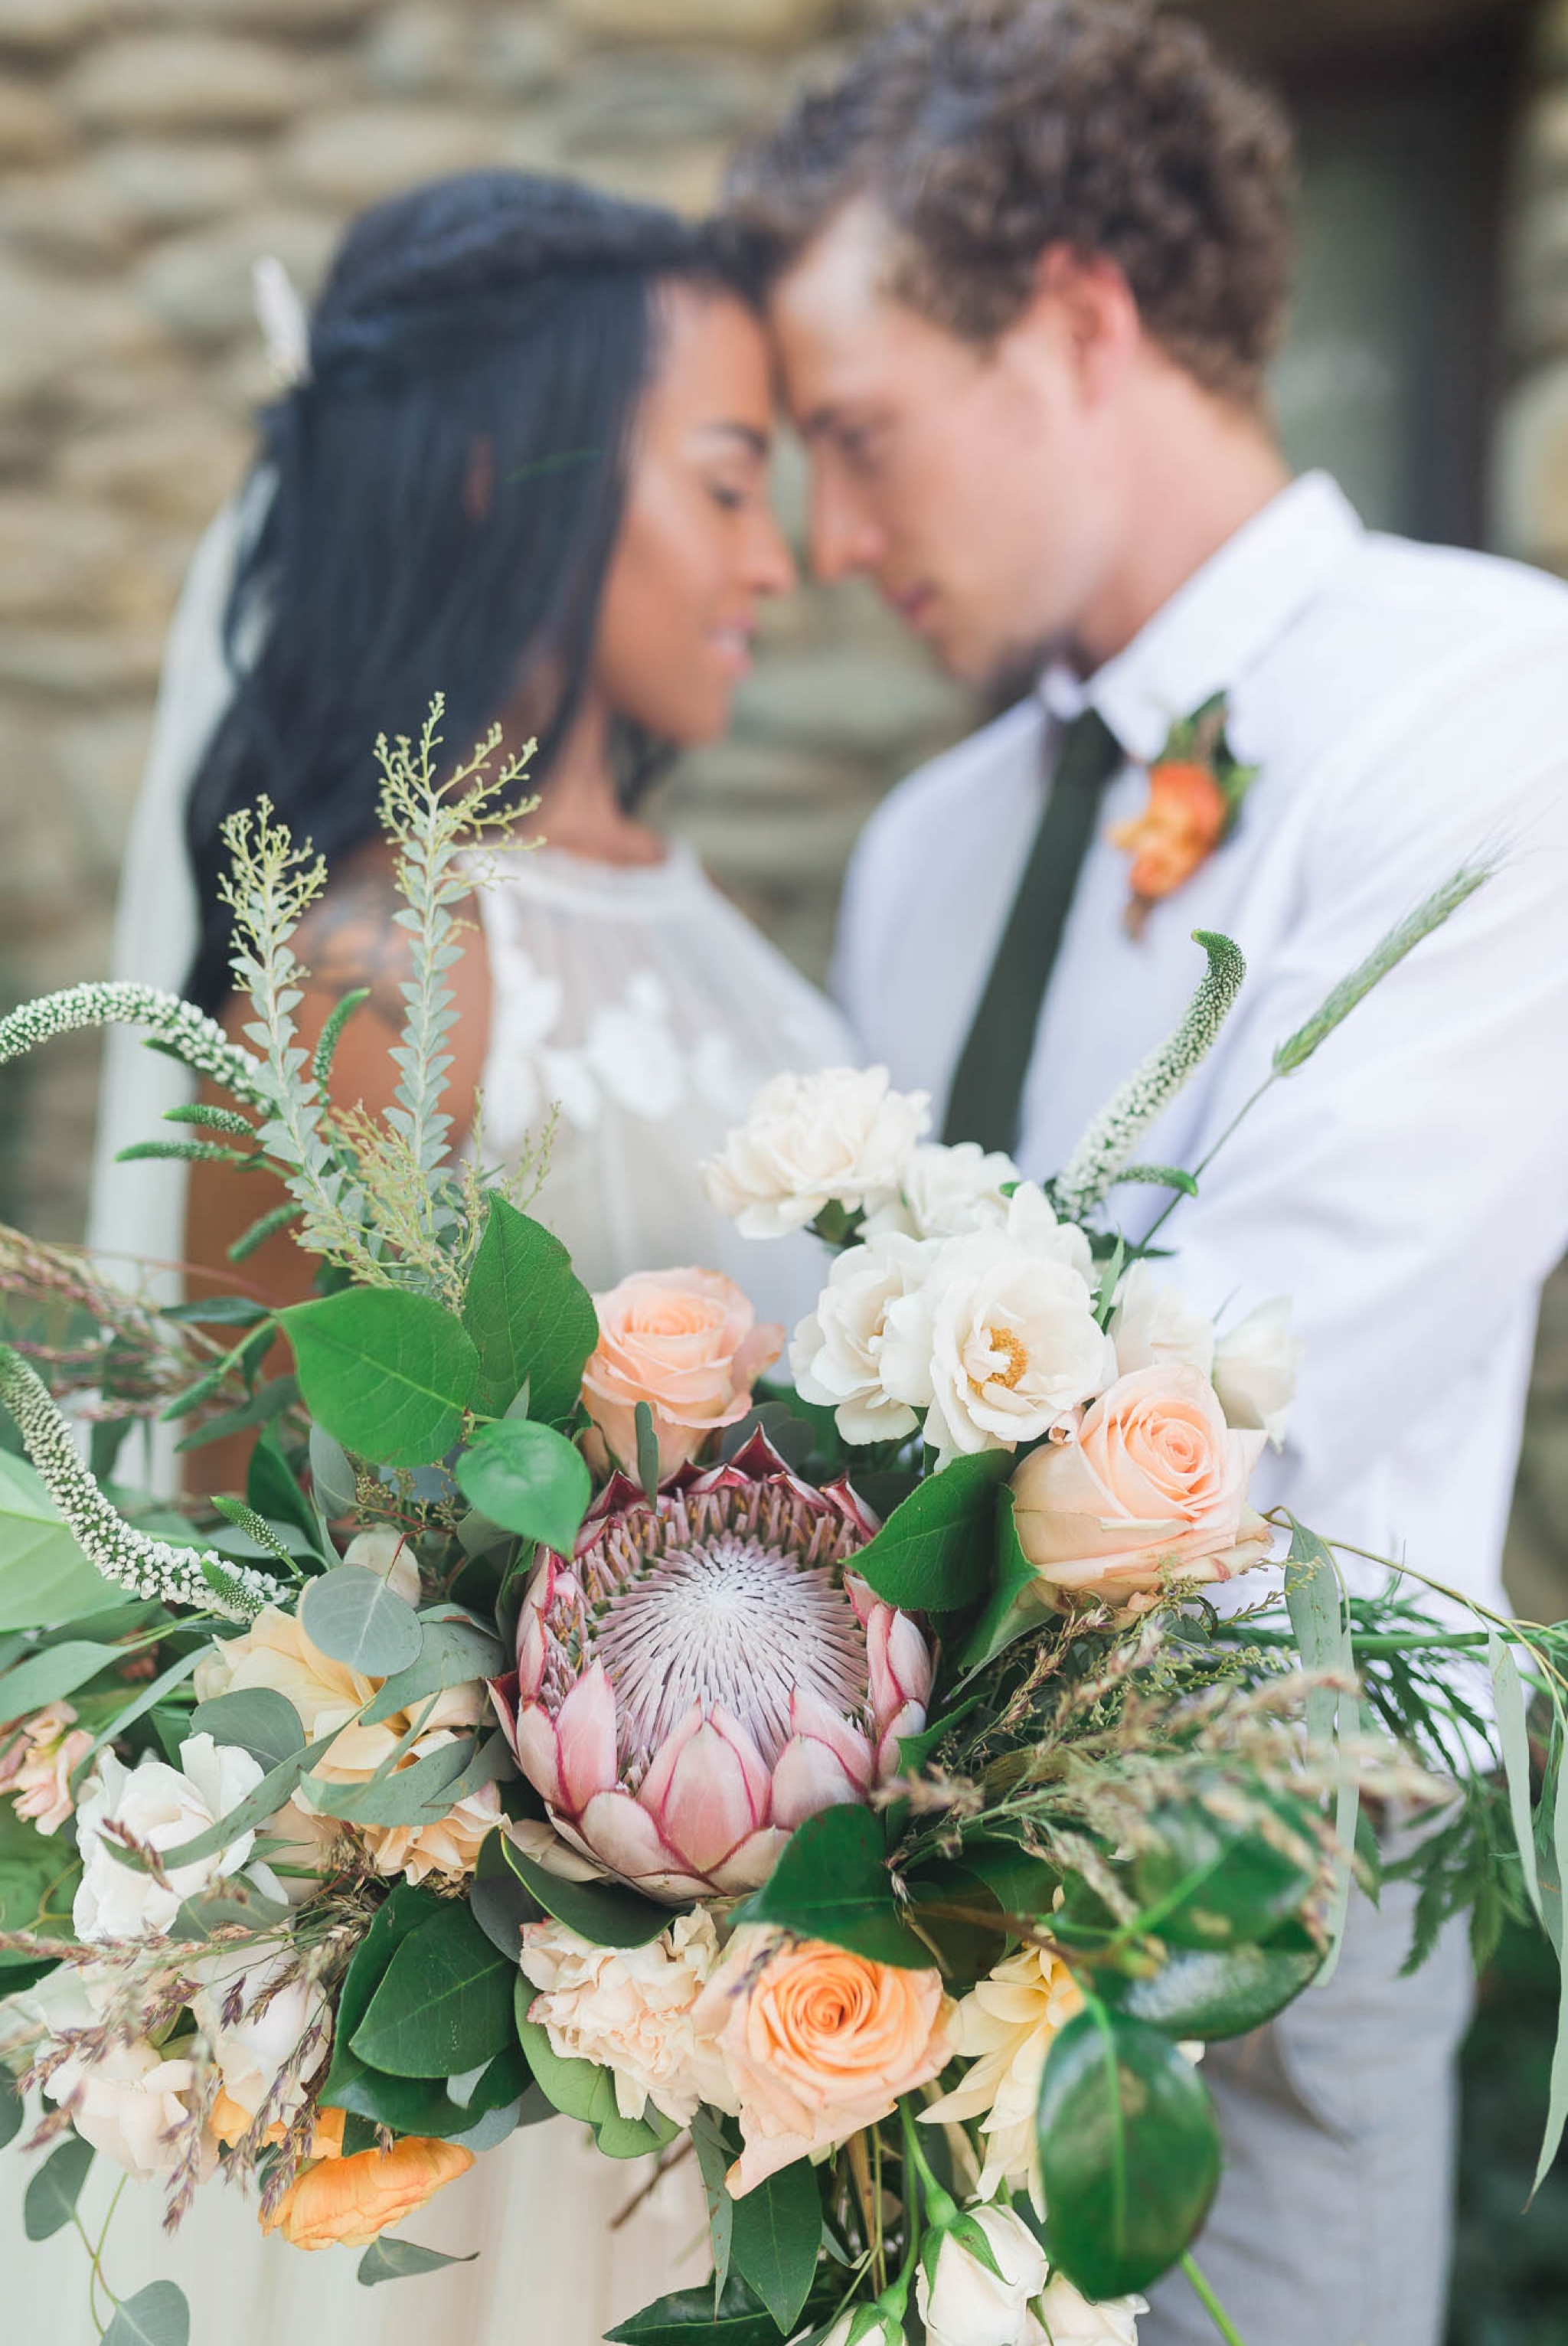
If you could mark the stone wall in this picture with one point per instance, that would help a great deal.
(150, 152)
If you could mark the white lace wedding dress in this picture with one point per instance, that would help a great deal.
(649, 1010)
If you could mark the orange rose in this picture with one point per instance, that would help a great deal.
(687, 1344)
(1180, 827)
(817, 2043)
(352, 2201)
(1151, 1490)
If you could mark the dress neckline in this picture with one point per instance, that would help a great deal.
(556, 875)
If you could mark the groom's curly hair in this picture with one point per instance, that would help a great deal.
(988, 130)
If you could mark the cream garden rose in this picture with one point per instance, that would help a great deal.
(1005, 2027)
(816, 2042)
(1000, 1343)
(836, 1355)
(631, 2010)
(161, 1807)
(1152, 1324)
(132, 2104)
(1151, 1489)
(267, 2030)
(947, 1190)
(687, 1342)
(1255, 1370)
(839, 1137)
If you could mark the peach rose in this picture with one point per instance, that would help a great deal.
(1151, 1489)
(352, 2201)
(817, 2043)
(36, 1767)
(687, 1344)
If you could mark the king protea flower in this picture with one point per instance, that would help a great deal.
(703, 1674)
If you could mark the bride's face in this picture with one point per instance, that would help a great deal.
(699, 547)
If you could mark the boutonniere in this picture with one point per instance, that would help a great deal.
(1195, 791)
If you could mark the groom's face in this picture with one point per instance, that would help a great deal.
(966, 482)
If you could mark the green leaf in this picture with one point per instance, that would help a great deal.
(419, 1794)
(257, 1718)
(157, 2315)
(606, 1912)
(1013, 1606)
(1315, 1600)
(647, 1452)
(445, 2003)
(529, 1315)
(272, 1490)
(13, 2109)
(1555, 1796)
(529, 1479)
(1213, 1884)
(713, 2158)
(356, 1618)
(832, 1883)
(58, 1671)
(778, 2232)
(496, 1898)
(52, 2194)
(389, 2259)
(44, 1576)
(1214, 1996)
(388, 1373)
(933, 1554)
(453, 1650)
(689, 2318)
(1129, 2153)
(1515, 1735)
(581, 2089)
(255, 1808)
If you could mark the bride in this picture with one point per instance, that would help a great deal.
(525, 463)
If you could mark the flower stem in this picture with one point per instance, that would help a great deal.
(1210, 2303)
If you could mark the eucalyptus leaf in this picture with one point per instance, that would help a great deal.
(933, 1554)
(157, 2315)
(776, 2236)
(52, 2194)
(387, 1373)
(453, 1650)
(356, 1618)
(389, 2259)
(13, 2109)
(1129, 2152)
(1315, 1600)
(256, 1719)
(444, 2004)
(529, 1479)
(421, 1793)
(331, 1476)
(57, 1671)
(1514, 1732)
(714, 2158)
(832, 1883)
(529, 1315)
(1555, 1802)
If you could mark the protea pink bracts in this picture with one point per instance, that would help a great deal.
(703, 1674)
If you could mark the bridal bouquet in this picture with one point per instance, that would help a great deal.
(848, 1785)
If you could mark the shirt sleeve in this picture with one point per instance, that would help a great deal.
(1408, 1187)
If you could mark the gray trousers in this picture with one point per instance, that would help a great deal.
(1332, 2226)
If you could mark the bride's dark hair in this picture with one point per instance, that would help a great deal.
(446, 489)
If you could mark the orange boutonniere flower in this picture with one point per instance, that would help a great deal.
(1196, 792)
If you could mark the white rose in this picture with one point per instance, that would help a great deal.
(1073, 2321)
(836, 1354)
(388, 1554)
(256, 2028)
(945, 1192)
(630, 2010)
(73, 1996)
(130, 2103)
(1255, 1370)
(1001, 1343)
(963, 2304)
(161, 1807)
(1152, 1324)
(836, 1137)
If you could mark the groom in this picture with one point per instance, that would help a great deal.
(1026, 263)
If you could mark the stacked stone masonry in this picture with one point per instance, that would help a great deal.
(151, 149)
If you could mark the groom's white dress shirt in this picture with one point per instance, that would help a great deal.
(1407, 707)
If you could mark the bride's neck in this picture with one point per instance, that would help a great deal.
(579, 809)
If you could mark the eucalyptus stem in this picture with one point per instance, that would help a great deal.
(1210, 2303)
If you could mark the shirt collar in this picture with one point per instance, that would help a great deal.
(1218, 622)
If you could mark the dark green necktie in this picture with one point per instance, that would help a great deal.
(988, 1083)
